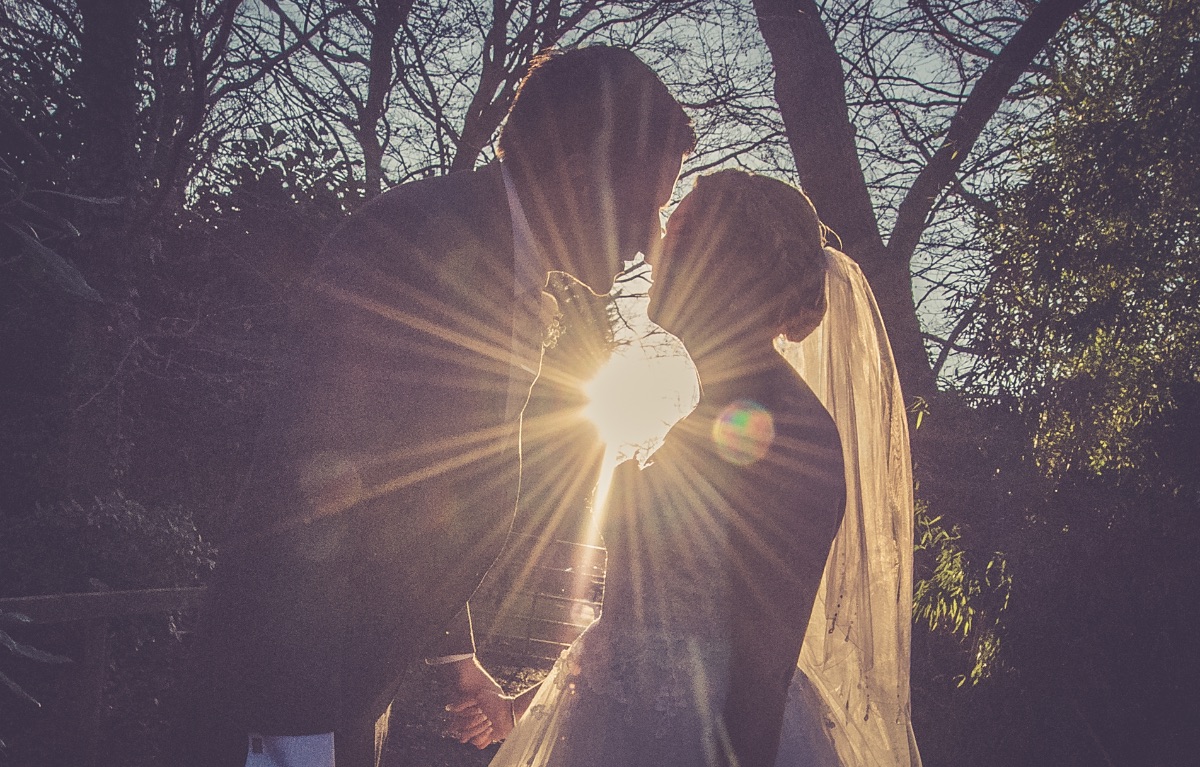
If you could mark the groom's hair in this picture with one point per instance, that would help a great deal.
(569, 98)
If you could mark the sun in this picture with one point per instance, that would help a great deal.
(638, 395)
(648, 384)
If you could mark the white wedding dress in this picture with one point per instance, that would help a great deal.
(645, 684)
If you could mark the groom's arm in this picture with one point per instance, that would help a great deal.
(479, 711)
(455, 641)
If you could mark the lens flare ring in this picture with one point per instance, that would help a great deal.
(743, 432)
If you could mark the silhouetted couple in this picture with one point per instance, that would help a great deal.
(388, 471)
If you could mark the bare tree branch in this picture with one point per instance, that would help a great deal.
(1045, 20)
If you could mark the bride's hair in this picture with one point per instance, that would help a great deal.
(773, 228)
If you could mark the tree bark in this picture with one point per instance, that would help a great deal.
(103, 335)
(810, 92)
(107, 75)
(389, 16)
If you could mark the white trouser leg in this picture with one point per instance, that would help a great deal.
(290, 750)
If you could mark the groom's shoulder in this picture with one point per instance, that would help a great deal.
(450, 191)
(419, 214)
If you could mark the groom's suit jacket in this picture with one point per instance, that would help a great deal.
(387, 475)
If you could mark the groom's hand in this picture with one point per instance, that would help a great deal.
(466, 723)
(479, 711)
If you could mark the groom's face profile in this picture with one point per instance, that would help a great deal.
(595, 142)
(616, 218)
(644, 223)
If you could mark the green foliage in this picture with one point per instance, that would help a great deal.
(64, 547)
(957, 597)
(1091, 603)
(269, 172)
(1091, 322)
(1089, 331)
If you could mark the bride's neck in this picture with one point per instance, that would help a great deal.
(730, 368)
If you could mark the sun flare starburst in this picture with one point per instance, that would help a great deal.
(637, 396)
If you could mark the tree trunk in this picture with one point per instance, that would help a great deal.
(389, 16)
(109, 57)
(107, 253)
(810, 91)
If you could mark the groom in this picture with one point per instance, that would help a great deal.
(387, 476)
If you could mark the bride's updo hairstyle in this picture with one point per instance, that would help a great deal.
(772, 232)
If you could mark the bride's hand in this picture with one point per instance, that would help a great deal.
(483, 719)
(466, 723)
(479, 712)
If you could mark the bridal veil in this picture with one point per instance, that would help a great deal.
(855, 659)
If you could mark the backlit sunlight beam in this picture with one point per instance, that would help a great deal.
(633, 401)
(637, 396)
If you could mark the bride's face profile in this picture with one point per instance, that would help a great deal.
(703, 286)
(664, 262)
(742, 262)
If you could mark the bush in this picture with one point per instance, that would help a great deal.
(113, 543)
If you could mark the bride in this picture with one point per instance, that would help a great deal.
(763, 533)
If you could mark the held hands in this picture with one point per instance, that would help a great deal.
(470, 721)
(479, 712)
